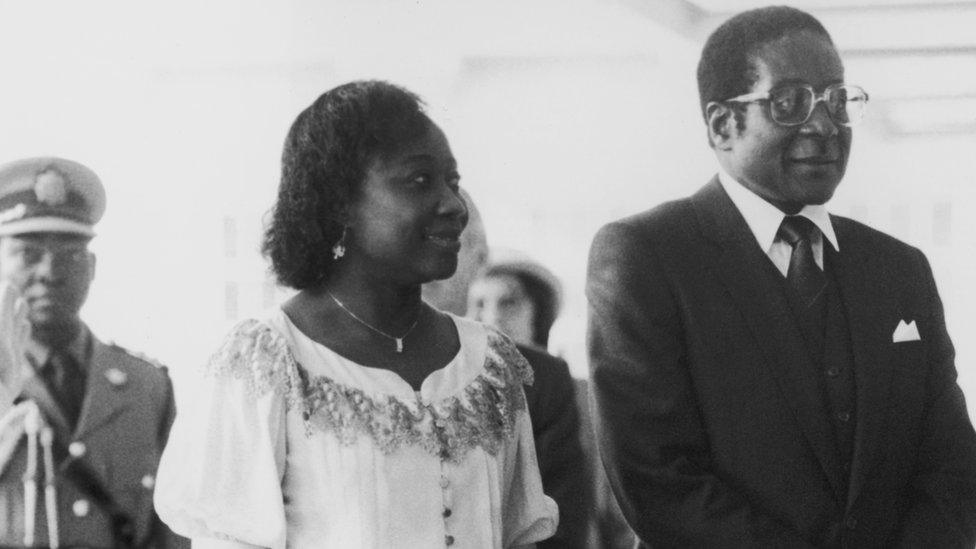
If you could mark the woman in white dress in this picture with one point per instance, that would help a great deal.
(357, 415)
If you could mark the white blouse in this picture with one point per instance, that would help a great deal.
(288, 444)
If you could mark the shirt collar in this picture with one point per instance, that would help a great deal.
(78, 349)
(764, 219)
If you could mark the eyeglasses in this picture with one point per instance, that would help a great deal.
(792, 105)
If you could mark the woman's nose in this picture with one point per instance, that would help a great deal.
(452, 203)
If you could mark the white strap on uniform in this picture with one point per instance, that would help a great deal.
(31, 425)
(50, 487)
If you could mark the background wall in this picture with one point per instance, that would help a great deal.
(563, 116)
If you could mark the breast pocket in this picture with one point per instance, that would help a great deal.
(908, 358)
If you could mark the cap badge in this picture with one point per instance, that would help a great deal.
(50, 187)
(116, 377)
(13, 214)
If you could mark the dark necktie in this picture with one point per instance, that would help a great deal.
(804, 275)
(66, 381)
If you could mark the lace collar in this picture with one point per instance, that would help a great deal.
(481, 415)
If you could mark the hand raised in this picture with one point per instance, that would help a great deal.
(14, 331)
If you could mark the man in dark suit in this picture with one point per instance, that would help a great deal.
(766, 374)
(79, 450)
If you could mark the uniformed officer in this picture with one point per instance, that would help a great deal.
(79, 448)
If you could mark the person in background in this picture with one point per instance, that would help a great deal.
(522, 298)
(766, 374)
(518, 296)
(91, 418)
(451, 294)
(357, 415)
(555, 420)
(609, 529)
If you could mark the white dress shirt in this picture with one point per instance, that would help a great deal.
(764, 220)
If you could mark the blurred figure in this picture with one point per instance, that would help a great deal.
(451, 294)
(91, 418)
(609, 528)
(518, 296)
(555, 419)
(522, 298)
(357, 415)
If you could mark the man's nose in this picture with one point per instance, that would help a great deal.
(820, 122)
(47, 267)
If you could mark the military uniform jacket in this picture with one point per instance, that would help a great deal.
(125, 419)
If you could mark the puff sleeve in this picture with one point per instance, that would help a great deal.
(220, 474)
(529, 514)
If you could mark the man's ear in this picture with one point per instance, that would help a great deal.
(720, 119)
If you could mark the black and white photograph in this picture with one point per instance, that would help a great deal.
(603, 274)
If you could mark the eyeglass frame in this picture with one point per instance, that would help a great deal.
(755, 97)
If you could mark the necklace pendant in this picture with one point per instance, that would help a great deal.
(398, 340)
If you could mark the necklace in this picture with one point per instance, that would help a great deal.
(398, 340)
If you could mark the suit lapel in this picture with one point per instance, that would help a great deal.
(745, 271)
(105, 396)
(867, 303)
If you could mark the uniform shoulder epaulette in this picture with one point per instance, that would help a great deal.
(137, 355)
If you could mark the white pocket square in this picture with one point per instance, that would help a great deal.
(905, 332)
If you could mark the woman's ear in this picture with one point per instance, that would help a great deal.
(720, 119)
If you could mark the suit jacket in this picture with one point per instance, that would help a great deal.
(556, 430)
(709, 415)
(125, 419)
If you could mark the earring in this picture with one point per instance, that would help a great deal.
(339, 249)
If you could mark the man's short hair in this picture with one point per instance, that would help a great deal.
(726, 66)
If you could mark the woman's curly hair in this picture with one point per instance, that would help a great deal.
(326, 155)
